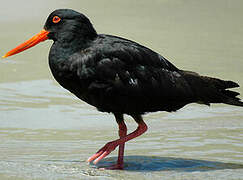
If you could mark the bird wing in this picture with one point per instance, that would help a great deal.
(122, 75)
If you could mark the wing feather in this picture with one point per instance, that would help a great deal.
(125, 75)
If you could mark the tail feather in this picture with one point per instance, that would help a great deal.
(226, 96)
(234, 102)
(212, 90)
(230, 98)
(220, 84)
(230, 93)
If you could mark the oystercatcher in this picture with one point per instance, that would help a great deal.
(120, 76)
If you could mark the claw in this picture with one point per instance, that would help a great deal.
(94, 156)
(103, 152)
(102, 156)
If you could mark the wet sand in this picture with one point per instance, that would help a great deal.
(47, 133)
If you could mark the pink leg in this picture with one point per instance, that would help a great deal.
(122, 133)
(110, 146)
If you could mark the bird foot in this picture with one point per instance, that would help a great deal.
(103, 152)
(113, 167)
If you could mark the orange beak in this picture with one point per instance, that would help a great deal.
(41, 36)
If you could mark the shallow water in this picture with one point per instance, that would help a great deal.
(47, 133)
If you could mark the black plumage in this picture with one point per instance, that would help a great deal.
(121, 76)
(118, 75)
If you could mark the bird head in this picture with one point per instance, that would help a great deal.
(63, 25)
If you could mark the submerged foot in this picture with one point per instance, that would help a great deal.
(113, 167)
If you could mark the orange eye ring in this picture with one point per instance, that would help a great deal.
(56, 19)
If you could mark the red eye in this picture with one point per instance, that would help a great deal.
(56, 19)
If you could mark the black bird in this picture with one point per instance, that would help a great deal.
(120, 76)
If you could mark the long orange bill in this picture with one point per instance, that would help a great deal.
(41, 36)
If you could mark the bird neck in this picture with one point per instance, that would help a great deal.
(63, 48)
(75, 41)
(69, 42)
